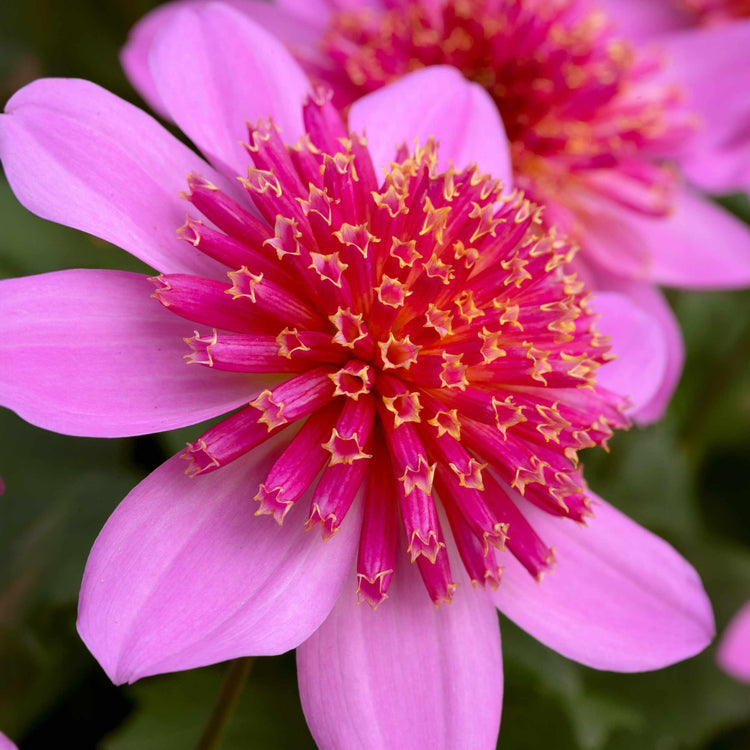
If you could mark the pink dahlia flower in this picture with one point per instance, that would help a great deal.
(733, 654)
(706, 46)
(414, 368)
(594, 127)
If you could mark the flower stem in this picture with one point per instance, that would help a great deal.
(234, 681)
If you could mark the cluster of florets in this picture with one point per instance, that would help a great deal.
(434, 356)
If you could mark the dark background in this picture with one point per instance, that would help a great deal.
(686, 479)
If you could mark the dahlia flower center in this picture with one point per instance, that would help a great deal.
(428, 345)
(570, 94)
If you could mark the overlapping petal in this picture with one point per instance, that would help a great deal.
(461, 117)
(734, 650)
(407, 675)
(297, 24)
(78, 155)
(89, 352)
(318, 11)
(134, 55)
(651, 301)
(639, 345)
(698, 246)
(214, 70)
(620, 597)
(709, 63)
(713, 64)
(183, 574)
(642, 19)
(291, 25)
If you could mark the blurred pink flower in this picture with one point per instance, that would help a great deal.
(6, 744)
(706, 47)
(733, 654)
(425, 326)
(594, 127)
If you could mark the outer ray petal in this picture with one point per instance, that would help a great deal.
(183, 574)
(698, 246)
(652, 301)
(134, 55)
(439, 102)
(295, 28)
(713, 63)
(317, 12)
(718, 167)
(6, 744)
(639, 345)
(405, 676)
(78, 155)
(642, 19)
(734, 650)
(91, 353)
(215, 70)
(621, 598)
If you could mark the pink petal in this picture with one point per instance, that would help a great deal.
(313, 11)
(318, 12)
(639, 345)
(620, 598)
(215, 70)
(183, 574)
(439, 102)
(78, 155)
(733, 655)
(653, 303)
(6, 744)
(407, 675)
(653, 300)
(718, 167)
(294, 28)
(91, 353)
(698, 246)
(642, 19)
(713, 63)
(134, 55)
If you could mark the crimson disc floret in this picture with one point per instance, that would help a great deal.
(434, 356)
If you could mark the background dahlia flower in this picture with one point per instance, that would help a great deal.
(594, 126)
(425, 327)
(706, 46)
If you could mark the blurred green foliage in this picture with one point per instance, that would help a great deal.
(685, 478)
